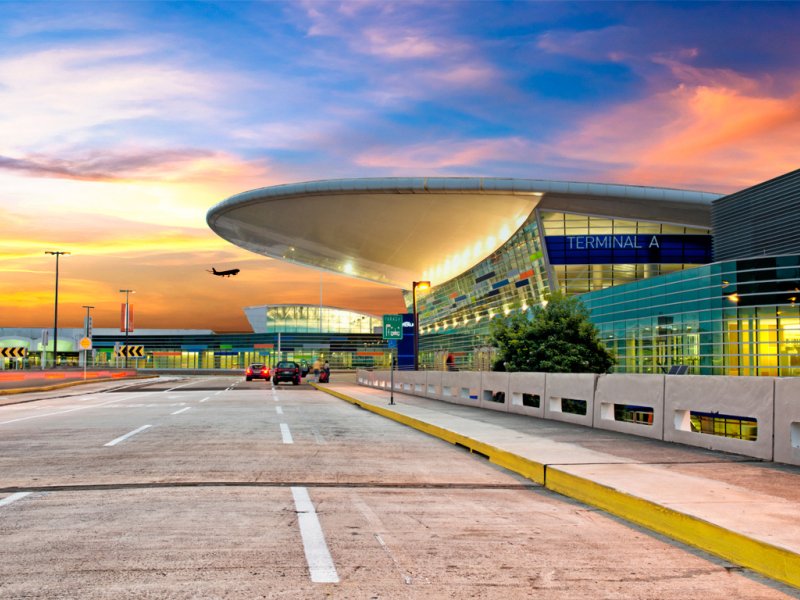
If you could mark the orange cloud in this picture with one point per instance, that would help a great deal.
(716, 131)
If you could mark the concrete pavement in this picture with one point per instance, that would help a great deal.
(740, 509)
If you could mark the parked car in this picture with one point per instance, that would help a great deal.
(286, 371)
(257, 371)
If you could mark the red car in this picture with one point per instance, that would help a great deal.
(257, 371)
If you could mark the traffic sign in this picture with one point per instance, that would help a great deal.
(130, 351)
(85, 343)
(393, 327)
(13, 352)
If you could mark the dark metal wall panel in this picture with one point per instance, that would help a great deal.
(760, 220)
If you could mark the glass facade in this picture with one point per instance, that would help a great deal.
(581, 278)
(237, 350)
(729, 318)
(454, 317)
(310, 318)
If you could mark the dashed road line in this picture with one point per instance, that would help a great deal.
(279, 410)
(127, 435)
(318, 557)
(206, 399)
(286, 434)
(13, 498)
(177, 412)
(61, 412)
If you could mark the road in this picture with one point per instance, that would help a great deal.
(213, 487)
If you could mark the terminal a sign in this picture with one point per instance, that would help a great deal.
(628, 249)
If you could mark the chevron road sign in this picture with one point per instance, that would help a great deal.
(130, 351)
(13, 352)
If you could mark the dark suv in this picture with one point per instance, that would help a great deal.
(286, 371)
(257, 371)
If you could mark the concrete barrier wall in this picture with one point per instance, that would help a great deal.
(630, 404)
(494, 391)
(413, 382)
(749, 397)
(787, 421)
(569, 386)
(526, 394)
(433, 385)
(461, 387)
(682, 406)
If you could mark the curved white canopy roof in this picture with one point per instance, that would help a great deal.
(397, 230)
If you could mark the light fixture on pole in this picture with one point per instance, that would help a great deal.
(87, 332)
(417, 285)
(57, 254)
(127, 321)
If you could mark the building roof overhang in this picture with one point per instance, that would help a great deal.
(398, 230)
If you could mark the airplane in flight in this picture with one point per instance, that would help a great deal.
(224, 273)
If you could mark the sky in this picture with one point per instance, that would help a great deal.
(122, 124)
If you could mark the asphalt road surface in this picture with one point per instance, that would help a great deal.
(213, 487)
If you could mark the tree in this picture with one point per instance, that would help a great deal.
(559, 338)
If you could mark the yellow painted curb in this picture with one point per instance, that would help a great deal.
(771, 561)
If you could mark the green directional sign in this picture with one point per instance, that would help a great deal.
(393, 327)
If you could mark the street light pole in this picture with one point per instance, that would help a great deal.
(422, 285)
(86, 334)
(127, 321)
(57, 254)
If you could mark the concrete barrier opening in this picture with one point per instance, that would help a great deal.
(431, 390)
(729, 426)
(417, 388)
(465, 393)
(572, 406)
(627, 413)
(489, 396)
(523, 399)
(447, 391)
(795, 435)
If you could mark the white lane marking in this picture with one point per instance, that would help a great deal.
(406, 578)
(61, 412)
(13, 498)
(177, 412)
(319, 560)
(219, 392)
(286, 434)
(279, 410)
(127, 435)
(206, 398)
(185, 384)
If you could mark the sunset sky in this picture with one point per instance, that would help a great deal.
(121, 124)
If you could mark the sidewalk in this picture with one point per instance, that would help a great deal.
(740, 509)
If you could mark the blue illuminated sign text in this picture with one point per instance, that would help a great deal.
(628, 249)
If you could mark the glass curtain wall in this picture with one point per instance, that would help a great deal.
(731, 318)
(315, 319)
(454, 317)
(579, 279)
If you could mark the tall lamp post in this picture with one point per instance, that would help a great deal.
(87, 333)
(417, 285)
(57, 254)
(127, 322)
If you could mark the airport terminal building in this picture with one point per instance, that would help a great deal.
(673, 279)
